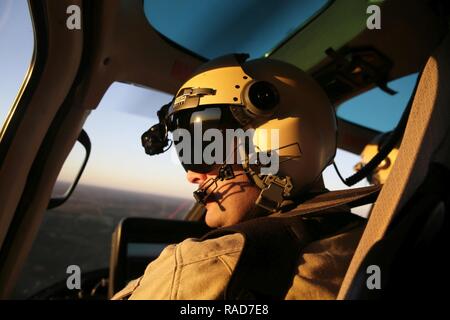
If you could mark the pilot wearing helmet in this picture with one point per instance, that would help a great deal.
(255, 136)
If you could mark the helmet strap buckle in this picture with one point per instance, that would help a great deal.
(226, 172)
(275, 191)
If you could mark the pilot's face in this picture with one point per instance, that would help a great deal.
(231, 202)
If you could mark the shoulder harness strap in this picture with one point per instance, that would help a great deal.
(271, 250)
(273, 245)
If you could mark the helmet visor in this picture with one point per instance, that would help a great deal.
(199, 136)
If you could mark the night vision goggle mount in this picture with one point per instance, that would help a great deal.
(155, 140)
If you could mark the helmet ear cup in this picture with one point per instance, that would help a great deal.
(263, 97)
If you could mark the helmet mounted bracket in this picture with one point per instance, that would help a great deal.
(274, 189)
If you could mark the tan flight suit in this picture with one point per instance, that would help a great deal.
(195, 269)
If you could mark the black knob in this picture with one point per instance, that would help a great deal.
(263, 95)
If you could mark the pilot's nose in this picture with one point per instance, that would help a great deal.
(195, 177)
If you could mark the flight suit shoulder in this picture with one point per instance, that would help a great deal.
(192, 269)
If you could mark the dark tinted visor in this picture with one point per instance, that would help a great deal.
(199, 136)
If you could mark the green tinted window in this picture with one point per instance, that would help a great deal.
(213, 28)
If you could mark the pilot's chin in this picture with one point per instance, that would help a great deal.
(214, 216)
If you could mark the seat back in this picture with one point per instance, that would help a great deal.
(424, 142)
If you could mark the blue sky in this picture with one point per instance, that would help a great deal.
(16, 48)
(126, 111)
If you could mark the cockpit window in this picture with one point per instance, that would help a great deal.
(17, 44)
(120, 180)
(378, 110)
(250, 26)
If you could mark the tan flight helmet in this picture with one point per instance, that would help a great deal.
(289, 112)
